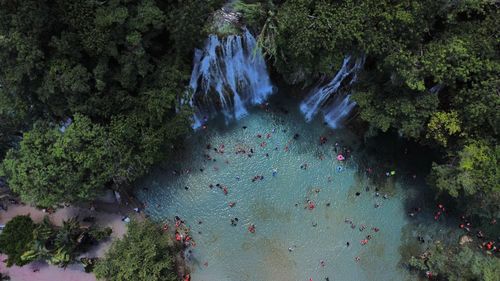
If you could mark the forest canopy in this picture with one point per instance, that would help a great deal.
(109, 74)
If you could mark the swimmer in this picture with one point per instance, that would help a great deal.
(328, 204)
(347, 244)
(314, 224)
(385, 196)
(290, 249)
(275, 172)
(377, 205)
(322, 263)
(251, 228)
(310, 204)
(358, 193)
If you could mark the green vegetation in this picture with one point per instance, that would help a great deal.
(51, 166)
(145, 253)
(432, 75)
(457, 263)
(24, 241)
(15, 239)
(116, 68)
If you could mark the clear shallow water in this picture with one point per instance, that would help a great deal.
(276, 205)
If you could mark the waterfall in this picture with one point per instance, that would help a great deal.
(229, 75)
(332, 99)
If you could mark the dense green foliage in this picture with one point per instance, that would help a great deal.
(117, 68)
(457, 263)
(15, 239)
(51, 166)
(24, 241)
(144, 253)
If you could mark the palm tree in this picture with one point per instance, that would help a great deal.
(42, 242)
(66, 242)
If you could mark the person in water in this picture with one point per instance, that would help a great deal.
(251, 228)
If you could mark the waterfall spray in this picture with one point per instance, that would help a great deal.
(331, 99)
(228, 76)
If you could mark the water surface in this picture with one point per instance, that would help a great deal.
(277, 204)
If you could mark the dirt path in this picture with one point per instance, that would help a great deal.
(106, 214)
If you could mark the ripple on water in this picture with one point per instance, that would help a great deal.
(276, 205)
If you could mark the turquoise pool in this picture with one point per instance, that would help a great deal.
(291, 241)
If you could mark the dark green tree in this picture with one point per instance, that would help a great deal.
(52, 166)
(144, 253)
(16, 238)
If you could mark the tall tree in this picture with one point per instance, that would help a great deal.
(144, 253)
(53, 166)
(16, 238)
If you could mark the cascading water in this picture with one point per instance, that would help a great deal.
(334, 105)
(228, 75)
